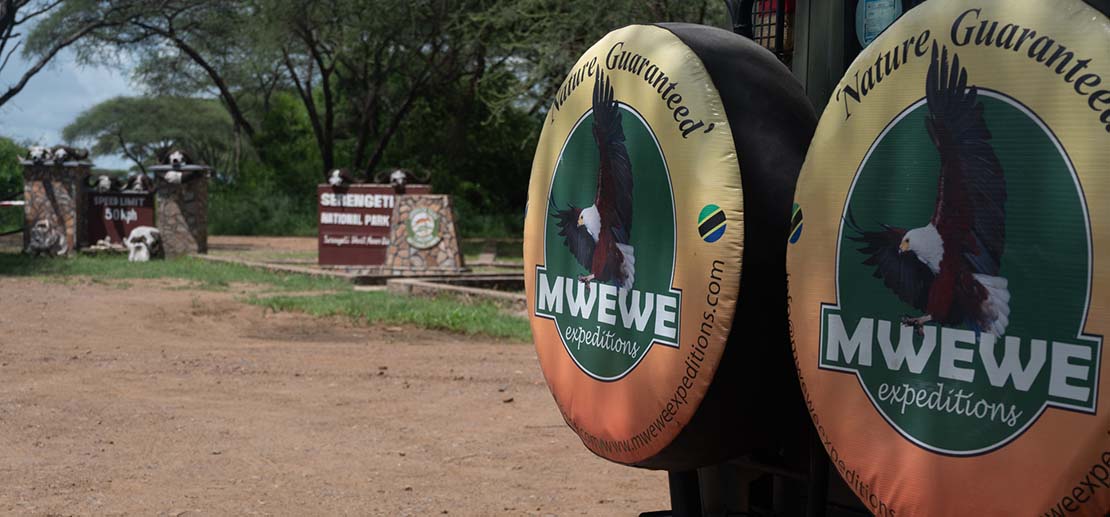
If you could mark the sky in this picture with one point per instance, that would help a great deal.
(55, 97)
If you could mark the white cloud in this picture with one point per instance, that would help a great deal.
(56, 96)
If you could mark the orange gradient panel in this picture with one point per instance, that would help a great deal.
(899, 453)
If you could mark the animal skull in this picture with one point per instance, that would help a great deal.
(46, 239)
(103, 184)
(398, 179)
(174, 177)
(60, 155)
(143, 244)
(38, 154)
(138, 182)
(177, 158)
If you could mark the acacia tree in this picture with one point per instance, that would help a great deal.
(205, 34)
(142, 127)
(546, 37)
(18, 15)
(359, 69)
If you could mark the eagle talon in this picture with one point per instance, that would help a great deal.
(918, 324)
(598, 236)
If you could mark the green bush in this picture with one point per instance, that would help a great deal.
(437, 313)
(259, 210)
(264, 210)
(11, 183)
(474, 222)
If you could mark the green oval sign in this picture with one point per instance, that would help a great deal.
(937, 345)
(608, 324)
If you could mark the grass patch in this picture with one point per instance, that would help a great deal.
(473, 259)
(267, 255)
(439, 313)
(504, 249)
(203, 273)
(442, 313)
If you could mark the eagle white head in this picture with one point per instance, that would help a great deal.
(926, 245)
(591, 219)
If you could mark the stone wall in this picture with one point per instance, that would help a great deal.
(432, 244)
(182, 215)
(56, 193)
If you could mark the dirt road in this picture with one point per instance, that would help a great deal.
(154, 400)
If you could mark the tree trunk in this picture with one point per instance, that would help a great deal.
(304, 91)
(128, 154)
(225, 92)
(394, 124)
(367, 123)
(46, 57)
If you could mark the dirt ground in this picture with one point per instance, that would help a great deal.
(155, 400)
(231, 243)
(295, 250)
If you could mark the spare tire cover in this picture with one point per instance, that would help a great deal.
(638, 227)
(947, 300)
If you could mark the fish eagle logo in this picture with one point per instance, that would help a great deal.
(610, 306)
(949, 268)
(966, 210)
(599, 236)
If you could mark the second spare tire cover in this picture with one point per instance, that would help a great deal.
(948, 292)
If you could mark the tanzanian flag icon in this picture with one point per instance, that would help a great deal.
(711, 223)
(796, 224)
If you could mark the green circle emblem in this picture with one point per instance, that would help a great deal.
(422, 228)
(609, 257)
(961, 309)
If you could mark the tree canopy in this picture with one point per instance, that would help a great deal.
(140, 127)
(455, 88)
(48, 37)
(11, 172)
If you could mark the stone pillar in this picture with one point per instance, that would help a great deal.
(182, 215)
(55, 193)
(425, 238)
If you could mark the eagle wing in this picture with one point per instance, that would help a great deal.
(971, 194)
(902, 273)
(614, 176)
(575, 237)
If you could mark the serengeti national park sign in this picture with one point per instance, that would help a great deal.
(947, 298)
(635, 240)
(354, 223)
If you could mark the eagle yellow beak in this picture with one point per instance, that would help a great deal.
(904, 246)
(579, 220)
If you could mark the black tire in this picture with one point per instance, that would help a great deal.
(754, 404)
